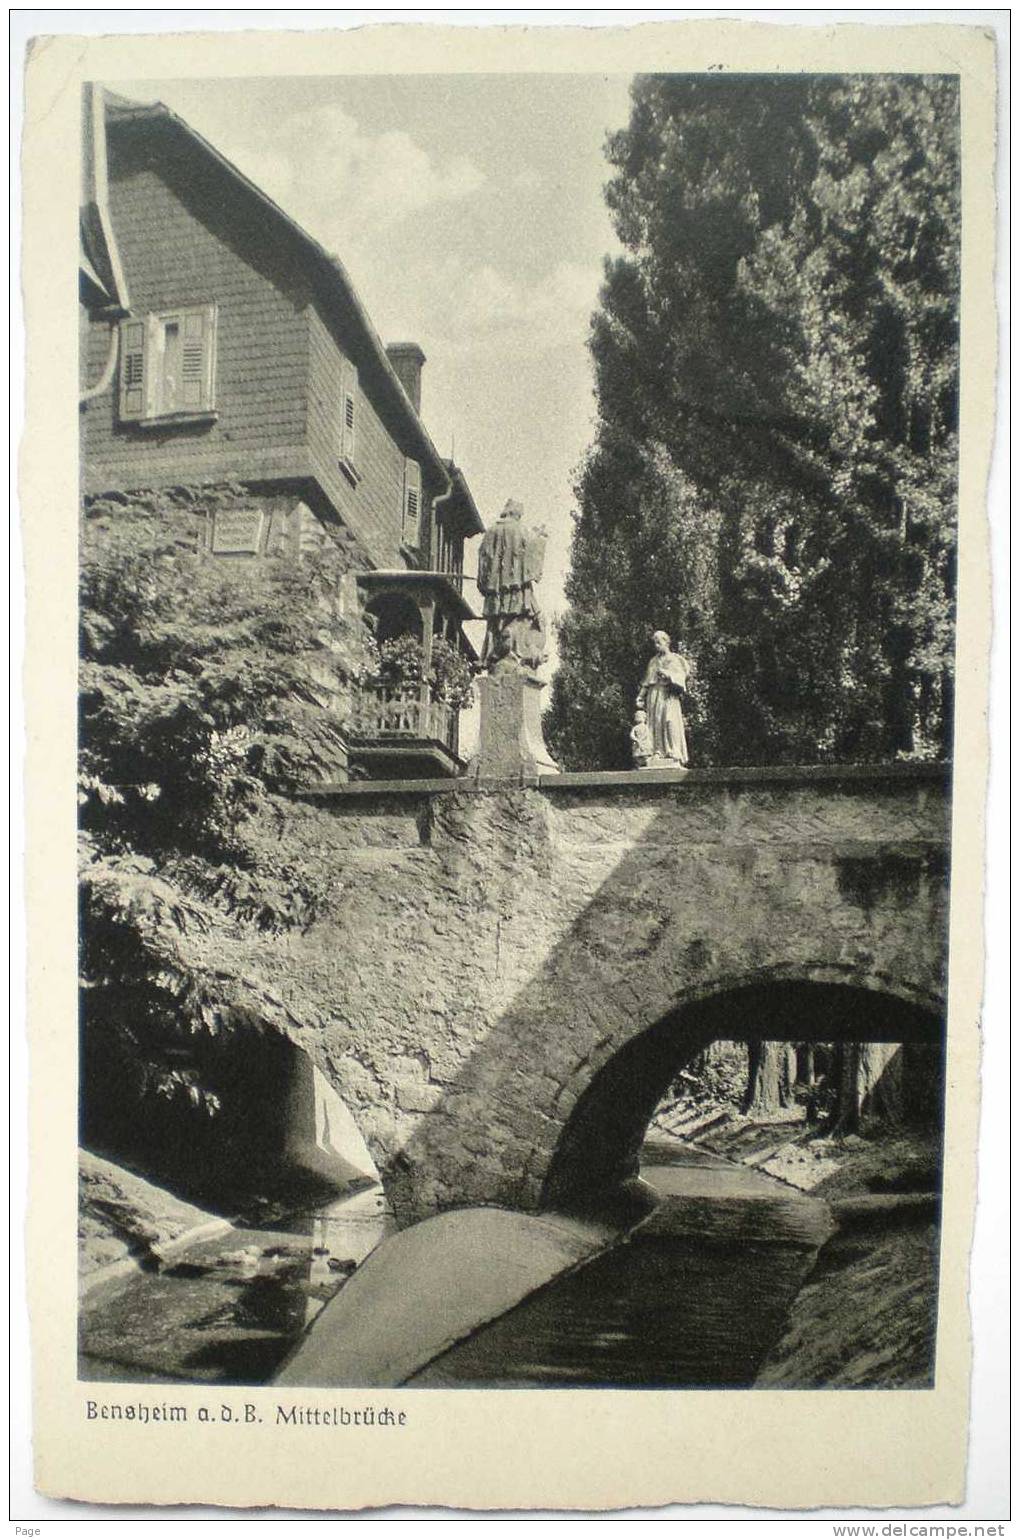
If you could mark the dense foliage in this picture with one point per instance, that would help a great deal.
(774, 474)
(400, 665)
(209, 690)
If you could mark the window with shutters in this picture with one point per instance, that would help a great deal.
(410, 533)
(349, 421)
(168, 366)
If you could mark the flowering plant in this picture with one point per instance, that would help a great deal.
(451, 675)
(401, 666)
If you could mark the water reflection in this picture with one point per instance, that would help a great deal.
(230, 1311)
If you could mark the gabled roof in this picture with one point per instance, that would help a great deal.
(336, 288)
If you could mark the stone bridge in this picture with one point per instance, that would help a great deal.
(509, 976)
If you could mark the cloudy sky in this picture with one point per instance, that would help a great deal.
(469, 213)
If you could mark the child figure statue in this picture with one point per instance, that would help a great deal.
(640, 740)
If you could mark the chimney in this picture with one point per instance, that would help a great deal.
(407, 359)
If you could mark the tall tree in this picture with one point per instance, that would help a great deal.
(869, 1084)
(771, 1072)
(773, 476)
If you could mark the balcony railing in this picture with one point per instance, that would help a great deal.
(396, 714)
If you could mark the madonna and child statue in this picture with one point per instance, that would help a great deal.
(659, 735)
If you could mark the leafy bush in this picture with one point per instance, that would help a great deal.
(209, 691)
(205, 685)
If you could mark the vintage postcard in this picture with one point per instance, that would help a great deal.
(505, 509)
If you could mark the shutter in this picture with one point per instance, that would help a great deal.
(133, 359)
(349, 414)
(412, 503)
(165, 364)
(198, 351)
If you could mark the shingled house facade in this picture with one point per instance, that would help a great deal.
(222, 346)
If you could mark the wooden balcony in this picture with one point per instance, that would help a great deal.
(400, 734)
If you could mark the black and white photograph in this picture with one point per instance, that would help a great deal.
(518, 551)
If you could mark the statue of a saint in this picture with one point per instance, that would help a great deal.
(659, 696)
(510, 562)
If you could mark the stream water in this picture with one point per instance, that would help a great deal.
(230, 1309)
(694, 1296)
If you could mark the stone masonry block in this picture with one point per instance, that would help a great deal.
(416, 1096)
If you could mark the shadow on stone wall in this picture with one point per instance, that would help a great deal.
(558, 1094)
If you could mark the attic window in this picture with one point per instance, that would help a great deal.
(168, 366)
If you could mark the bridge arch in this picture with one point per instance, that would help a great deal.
(502, 945)
(609, 1100)
(277, 1126)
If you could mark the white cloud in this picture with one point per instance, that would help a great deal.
(489, 305)
(333, 177)
(358, 191)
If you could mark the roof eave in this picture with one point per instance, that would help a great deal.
(415, 577)
(471, 519)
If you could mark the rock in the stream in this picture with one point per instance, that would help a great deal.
(121, 1215)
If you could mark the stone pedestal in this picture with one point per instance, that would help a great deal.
(510, 737)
